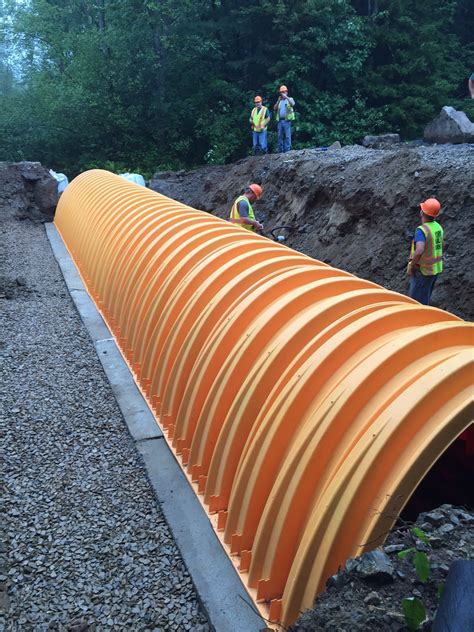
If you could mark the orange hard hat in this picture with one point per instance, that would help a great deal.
(257, 99)
(283, 89)
(257, 190)
(431, 207)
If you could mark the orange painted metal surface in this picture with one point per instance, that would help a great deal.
(305, 403)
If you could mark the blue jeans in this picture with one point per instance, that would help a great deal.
(421, 287)
(284, 136)
(260, 141)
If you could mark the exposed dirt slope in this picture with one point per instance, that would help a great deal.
(27, 191)
(354, 208)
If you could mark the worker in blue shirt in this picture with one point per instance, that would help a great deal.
(285, 114)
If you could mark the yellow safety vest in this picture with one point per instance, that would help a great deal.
(431, 261)
(234, 214)
(258, 117)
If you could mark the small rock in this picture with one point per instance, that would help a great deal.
(422, 546)
(394, 548)
(381, 141)
(337, 581)
(435, 518)
(21, 281)
(372, 599)
(444, 529)
(374, 566)
(336, 145)
(463, 515)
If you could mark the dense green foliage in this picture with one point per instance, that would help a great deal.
(146, 84)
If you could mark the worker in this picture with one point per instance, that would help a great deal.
(471, 85)
(259, 120)
(285, 113)
(242, 211)
(426, 257)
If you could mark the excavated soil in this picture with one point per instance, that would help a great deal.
(368, 594)
(353, 208)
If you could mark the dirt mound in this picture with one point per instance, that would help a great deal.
(27, 191)
(353, 208)
(368, 594)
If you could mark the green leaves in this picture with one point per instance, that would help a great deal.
(422, 566)
(414, 612)
(403, 554)
(420, 534)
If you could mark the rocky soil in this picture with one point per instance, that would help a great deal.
(27, 191)
(367, 595)
(84, 543)
(354, 208)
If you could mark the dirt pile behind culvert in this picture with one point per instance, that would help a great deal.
(354, 208)
(27, 191)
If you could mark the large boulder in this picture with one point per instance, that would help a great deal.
(450, 126)
(27, 191)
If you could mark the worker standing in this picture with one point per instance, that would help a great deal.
(426, 257)
(242, 211)
(259, 119)
(285, 113)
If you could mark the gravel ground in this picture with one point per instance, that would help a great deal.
(86, 545)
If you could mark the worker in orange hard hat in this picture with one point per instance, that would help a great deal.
(259, 120)
(426, 256)
(285, 114)
(242, 211)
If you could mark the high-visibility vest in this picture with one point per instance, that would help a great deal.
(290, 110)
(258, 117)
(431, 261)
(234, 214)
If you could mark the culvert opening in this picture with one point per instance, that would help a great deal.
(448, 481)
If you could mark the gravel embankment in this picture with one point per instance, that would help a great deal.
(86, 545)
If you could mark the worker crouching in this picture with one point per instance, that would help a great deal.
(242, 212)
(426, 257)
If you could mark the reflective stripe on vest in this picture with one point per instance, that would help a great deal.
(234, 214)
(258, 116)
(431, 261)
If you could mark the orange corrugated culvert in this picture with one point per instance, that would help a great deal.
(303, 403)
